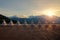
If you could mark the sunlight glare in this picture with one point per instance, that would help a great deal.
(48, 13)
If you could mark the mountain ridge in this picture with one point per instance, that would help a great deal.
(29, 20)
(7, 19)
(42, 18)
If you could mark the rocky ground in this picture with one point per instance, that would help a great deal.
(30, 32)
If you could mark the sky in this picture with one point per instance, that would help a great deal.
(25, 8)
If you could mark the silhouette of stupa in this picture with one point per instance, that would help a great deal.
(18, 23)
(11, 23)
(4, 22)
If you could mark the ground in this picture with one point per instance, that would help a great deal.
(29, 32)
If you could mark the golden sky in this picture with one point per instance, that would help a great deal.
(22, 8)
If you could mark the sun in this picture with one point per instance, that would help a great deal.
(49, 13)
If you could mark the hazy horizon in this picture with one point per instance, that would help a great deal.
(25, 8)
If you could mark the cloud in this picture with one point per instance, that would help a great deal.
(24, 8)
(37, 12)
(57, 13)
(6, 12)
(9, 13)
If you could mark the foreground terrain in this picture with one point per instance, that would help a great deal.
(29, 32)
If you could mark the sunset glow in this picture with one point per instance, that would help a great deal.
(26, 8)
(49, 12)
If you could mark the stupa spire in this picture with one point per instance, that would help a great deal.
(4, 22)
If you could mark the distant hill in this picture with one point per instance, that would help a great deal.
(35, 19)
(29, 20)
(2, 17)
(43, 18)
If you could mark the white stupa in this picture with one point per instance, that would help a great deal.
(39, 22)
(4, 22)
(32, 22)
(53, 22)
(11, 23)
(25, 22)
(46, 21)
(18, 23)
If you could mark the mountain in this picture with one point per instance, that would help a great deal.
(29, 20)
(21, 20)
(58, 20)
(44, 19)
(36, 19)
(14, 17)
(2, 17)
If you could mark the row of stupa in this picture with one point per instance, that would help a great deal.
(18, 23)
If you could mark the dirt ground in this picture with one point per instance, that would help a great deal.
(29, 32)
